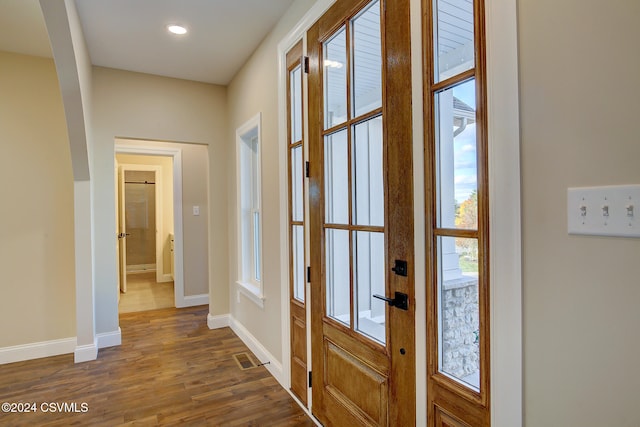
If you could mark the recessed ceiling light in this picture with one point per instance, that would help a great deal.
(177, 29)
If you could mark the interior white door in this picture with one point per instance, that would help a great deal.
(117, 212)
(122, 233)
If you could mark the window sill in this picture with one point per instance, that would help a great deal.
(252, 292)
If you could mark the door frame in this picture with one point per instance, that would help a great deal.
(178, 250)
(505, 224)
(124, 167)
(297, 34)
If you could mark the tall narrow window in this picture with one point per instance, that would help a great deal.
(296, 222)
(249, 219)
(458, 293)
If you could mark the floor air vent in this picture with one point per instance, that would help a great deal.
(244, 361)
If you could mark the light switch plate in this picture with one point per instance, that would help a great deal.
(196, 210)
(604, 211)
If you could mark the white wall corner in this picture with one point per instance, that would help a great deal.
(273, 366)
(109, 339)
(218, 321)
(85, 353)
(19, 353)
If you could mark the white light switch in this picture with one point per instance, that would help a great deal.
(604, 211)
(196, 210)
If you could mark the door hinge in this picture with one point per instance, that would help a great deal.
(308, 274)
(306, 169)
(309, 379)
(305, 64)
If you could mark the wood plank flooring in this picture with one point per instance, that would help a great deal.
(170, 370)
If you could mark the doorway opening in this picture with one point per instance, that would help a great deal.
(145, 232)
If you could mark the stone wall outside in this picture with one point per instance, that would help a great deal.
(460, 327)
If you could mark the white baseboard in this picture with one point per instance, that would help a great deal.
(193, 300)
(274, 366)
(217, 322)
(85, 353)
(109, 339)
(18, 353)
(140, 268)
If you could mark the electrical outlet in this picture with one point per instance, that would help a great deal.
(604, 211)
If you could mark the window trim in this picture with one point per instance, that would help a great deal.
(251, 287)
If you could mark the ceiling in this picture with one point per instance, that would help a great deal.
(131, 34)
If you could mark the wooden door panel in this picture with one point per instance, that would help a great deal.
(443, 419)
(456, 409)
(299, 338)
(360, 348)
(298, 351)
(355, 383)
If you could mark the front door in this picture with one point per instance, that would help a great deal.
(361, 215)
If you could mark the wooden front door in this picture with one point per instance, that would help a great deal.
(361, 215)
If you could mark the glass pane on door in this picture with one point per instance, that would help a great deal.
(296, 104)
(369, 279)
(297, 183)
(297, 251)
(335, 79)
(454, 48)
(337, 275)
(367, 172)
(457, 157)
(367, 61)
(336, 178)
(458, 310)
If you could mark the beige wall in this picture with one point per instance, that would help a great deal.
(579, 68)
(166, 165)
(194, 193)
(255, 90)
(142, 106)
(37, 292)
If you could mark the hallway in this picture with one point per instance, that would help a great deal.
(170, 370)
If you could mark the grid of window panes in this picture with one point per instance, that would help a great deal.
(458, 168)
(296, 186)
(353, 175)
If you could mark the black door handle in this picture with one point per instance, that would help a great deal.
(401, 300)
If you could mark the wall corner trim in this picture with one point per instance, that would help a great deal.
(274, 366)
(109, 339)
(219, 321)
(19, 353)
(85, 353)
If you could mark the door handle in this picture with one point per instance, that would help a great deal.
(401, 300)
(123, 235)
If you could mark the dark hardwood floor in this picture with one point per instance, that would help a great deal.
(170, 370)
